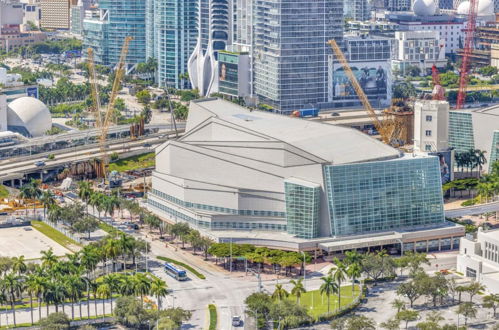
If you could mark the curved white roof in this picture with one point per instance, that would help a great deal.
(31, 114)
(330, 143)
(485, 8)
(424, 7)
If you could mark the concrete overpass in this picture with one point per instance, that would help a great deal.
(473, 210)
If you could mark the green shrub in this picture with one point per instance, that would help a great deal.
(213, 316)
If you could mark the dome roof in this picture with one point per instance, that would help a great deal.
(485, 8)
(424, 7)
(28, 116)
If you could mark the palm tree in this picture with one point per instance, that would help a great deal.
(339, 276)
(31, 286)
(24, 194)
(47, 199)
(126, 243)
(112, 250)
(298, 289)
(49, 259)
(328, 287)
(354, 271)
(279, 293)
(159, 289)
(398, 304)
(85, 192)
(142, 285)
(480, 159)
(73, 287)
(34, 192)
(103, 292)
(113, 282)
(13, 286)
(19, 265)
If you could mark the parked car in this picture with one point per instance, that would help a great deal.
(236, 321)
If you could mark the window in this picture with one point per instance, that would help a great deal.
(429, 118)
(428, 132)
(427, 147)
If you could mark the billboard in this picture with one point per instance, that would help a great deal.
(374, 77)
(32, 92)
(446, 161)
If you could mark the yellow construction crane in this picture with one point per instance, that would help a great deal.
(386, 128)
(104, 122)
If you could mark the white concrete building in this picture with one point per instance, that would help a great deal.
(260, 178)
(431, 125)
(418, 48)
(479, 259)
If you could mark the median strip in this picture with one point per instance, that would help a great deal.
(181, 264)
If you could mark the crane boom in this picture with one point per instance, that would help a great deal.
(380, 127)
(119, 71)
(468, 51)
(93, 86)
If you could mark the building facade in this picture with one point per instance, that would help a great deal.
(361, 10)
(431, 125)
(106, 30)
(261, 178)
(422, 49)
(172, 39)
(215, 33)
(291, 51)
(55, 14)
(478, 259)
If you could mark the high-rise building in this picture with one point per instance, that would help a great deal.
(431, 125)
(214, 34)
(77, 16)
(171, 35)
(361, 11)
(55, 14)
(397, 5)
(291, 52)
(107, 28)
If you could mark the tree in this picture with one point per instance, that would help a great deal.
(391, 324)
(488, 70)
(176, 315)
(86, 225)
(288, 314)
(130, 312)
(143, 96)
(159, 289)
(468, 310)
(258, 306)
(55, 321)
(398, 305)
(13, 286)
(354, 271)
(47, 199)
(19, 265)
(407, 315)
(410, 290)
(279, 293)
(328, 287)
(377, 265)
(146, 114)
(298, 289)
(491, 301)
(473, 289)
(338, 275)
(85, 191)
(404, 90)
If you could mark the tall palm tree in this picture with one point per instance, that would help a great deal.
(298, 289)
(112, 251)
(328, 287)
(55, 213)
(126, 243)
(480, 159)
(32, 287)
(49, 259)
(35, 192)
(113, 282)
(339, 275)
(354, 271)
(103, 292)
(73, 287)
(279, 293)
(47, 199)
(25, 194)
(13, 286)
(85, 192)
(142, 285)
(159, 289)
(19, 265)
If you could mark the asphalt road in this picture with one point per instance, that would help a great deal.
(472, 210)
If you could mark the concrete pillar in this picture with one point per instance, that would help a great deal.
(427, 246)
(439, 244)
(452, 243)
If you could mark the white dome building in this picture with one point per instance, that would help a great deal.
(28, 116)
(485, 8)
(424, 7)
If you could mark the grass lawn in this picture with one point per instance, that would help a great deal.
(55, 235)
(4, 193)
(319, 301)
(133, 163)
(107, 228)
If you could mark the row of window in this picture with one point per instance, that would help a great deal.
(220, 209)
(216, 224)
(491, 252)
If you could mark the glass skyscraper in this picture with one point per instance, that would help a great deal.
(290, 50)
(461, 131)
(171, 37)
(118, 19)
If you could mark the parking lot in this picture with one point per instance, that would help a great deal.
(17, 241)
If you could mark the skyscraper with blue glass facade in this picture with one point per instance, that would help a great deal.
(171, 37)
(107, 29)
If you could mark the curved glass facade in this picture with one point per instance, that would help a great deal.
(382, 196)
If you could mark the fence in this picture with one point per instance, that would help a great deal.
(60, 228)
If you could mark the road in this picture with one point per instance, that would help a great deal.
(473, 210)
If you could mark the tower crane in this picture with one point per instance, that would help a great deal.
(103, 122)
(387, 127)
(467, 53)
